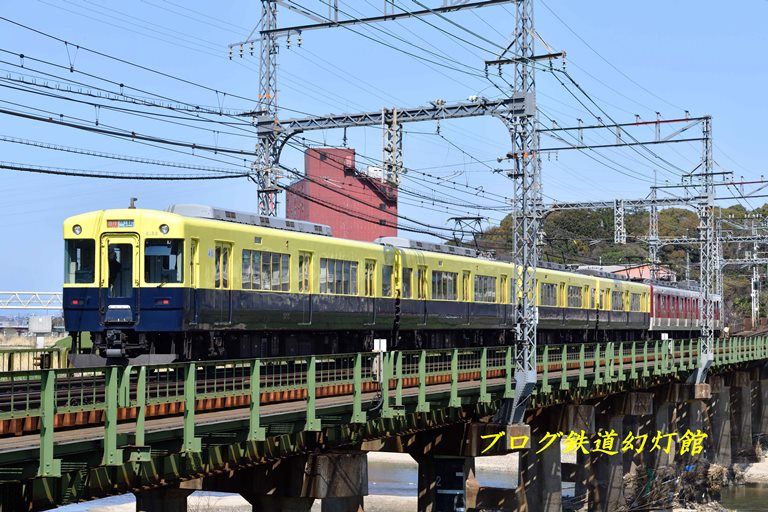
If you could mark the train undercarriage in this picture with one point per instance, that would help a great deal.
(118, 346)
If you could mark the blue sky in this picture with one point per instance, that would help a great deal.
(685, 55)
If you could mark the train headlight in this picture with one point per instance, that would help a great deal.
(164, 229)
(77, 229)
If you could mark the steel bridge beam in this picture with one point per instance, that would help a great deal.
(30, 300)
(518, 105)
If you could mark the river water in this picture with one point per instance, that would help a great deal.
(396, 479)
(401, 480)
(749, 498)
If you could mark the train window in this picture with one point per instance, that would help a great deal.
(386, 280)
(634, 302)
(617, 301)
(485, 289)
(548, 294)
(465, 291)
(504, 290)
(421, 282)
(79, 261)
(247, 270)
(305, 270)
(120, 261)
(444, 285)
(222, 265)
(574, 297)
(370, 278)
(217, 270)
(407, 275)
(163, 261)
(268, 271)
(338, 276)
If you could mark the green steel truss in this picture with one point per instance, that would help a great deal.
(337, 399)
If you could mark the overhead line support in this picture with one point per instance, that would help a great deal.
(527, 198)
(266, 166)
(372, 19)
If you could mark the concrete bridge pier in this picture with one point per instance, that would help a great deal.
(578, 418)
(166, 499)
(540, 487)
(742, 448)
(759, 405)
(615, 416)
(446, 466)
(718, 422)
(339, 479)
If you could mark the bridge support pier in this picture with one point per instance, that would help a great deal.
(540, 479)
(615, 415)
(719, 422)
(741, 417)
(609, 469)
(444, 468)
(164, 499)
(760, 406)
(339, 479)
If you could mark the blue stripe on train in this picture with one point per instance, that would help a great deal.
(159, 309)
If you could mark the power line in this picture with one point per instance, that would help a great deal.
(129, 63)
(114, 156)
(63, 171)
(125, 133)
(622, 73)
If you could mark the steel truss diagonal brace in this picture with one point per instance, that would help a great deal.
(517, 105)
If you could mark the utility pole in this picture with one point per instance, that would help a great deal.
(619, 226)
(266, 165)
(266, 150)
(653, 233)
(527, 200)
(710, 268)
(525, 142)
(392, 147)
(755, 281)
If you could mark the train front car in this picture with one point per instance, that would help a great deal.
(124, 285)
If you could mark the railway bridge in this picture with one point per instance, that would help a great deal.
(284, 432)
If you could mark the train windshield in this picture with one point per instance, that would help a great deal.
(163, 261)
(79, 261)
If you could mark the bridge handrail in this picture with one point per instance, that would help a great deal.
(48, 396)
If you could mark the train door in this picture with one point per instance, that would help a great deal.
(466, 290)
(223, 281)
(194, 278)
(369, 290)
(504, 298)
(119, 280)
(305, 286)
(421, 291)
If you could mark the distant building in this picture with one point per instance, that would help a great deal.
(357, 205)
(636, 272)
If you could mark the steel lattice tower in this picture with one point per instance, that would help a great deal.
(266, 150)
(528, 199)
(710, 256)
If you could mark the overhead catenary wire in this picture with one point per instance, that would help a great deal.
(114, 156)
(124, 133)
(82, 173)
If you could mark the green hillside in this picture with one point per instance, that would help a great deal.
(586, 237)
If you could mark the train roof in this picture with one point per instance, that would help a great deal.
(215, 213)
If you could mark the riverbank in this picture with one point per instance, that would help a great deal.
(751, 473)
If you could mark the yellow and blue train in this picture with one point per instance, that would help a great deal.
(197, 282)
